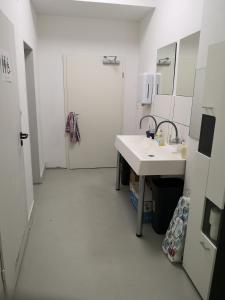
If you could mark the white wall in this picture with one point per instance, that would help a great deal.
(21, 14)
(171, 21)
(62, 35)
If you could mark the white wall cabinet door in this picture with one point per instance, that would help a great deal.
(95, 92)
(13, 211)
(199, 253)
(214, 79)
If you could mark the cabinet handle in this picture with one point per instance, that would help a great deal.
(157, 90)
(204, 246)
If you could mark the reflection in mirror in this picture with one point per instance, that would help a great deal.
(188, 52)
(166, 58)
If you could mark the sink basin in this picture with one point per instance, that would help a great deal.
(146, 157)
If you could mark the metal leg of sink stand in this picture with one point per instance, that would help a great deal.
(118, 172)
(140, 206)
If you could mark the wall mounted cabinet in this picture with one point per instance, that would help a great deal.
(208, 179)
(215, 97)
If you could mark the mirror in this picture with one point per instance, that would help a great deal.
(166, 59)
(188, 52)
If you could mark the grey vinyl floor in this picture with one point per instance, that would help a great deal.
(82, 245)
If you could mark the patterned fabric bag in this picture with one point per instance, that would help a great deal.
(173, 244)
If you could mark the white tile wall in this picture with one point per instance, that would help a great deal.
(182, 110)
(163, 106)
(175, 108)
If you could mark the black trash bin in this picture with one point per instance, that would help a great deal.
(165, 195)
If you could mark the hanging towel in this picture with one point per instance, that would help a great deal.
(72, 127)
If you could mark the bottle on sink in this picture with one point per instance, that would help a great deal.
(183, 150)
(157, 136)
(161, 138)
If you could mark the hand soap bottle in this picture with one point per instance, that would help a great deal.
(157, 136)
(183, 150)
(161, 138)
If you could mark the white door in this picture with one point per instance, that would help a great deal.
(95, 92)
(13, 214)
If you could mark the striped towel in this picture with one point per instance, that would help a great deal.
(72, 128)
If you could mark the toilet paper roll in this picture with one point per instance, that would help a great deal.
(214, 218)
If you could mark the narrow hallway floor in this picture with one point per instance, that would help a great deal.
(82, 245)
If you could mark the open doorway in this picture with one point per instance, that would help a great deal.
(32, 112)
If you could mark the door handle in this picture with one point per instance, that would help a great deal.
(157, 89)
(23, 136)
(204, 246)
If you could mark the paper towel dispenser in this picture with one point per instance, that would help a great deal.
(145, 88)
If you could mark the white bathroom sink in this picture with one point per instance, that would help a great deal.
(146, 157)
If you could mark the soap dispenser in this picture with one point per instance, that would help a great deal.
(183, 150)
(157, 136)
(162, 138)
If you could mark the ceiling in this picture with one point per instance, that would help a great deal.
(90, 9)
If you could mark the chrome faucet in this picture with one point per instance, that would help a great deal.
(149, 133)
(148, 116)
(176, 140)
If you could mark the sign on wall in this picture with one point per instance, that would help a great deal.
(5, 66)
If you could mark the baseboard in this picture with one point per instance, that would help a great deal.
(55, 166)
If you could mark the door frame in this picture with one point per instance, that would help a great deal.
(64, 62)
(32, 112)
